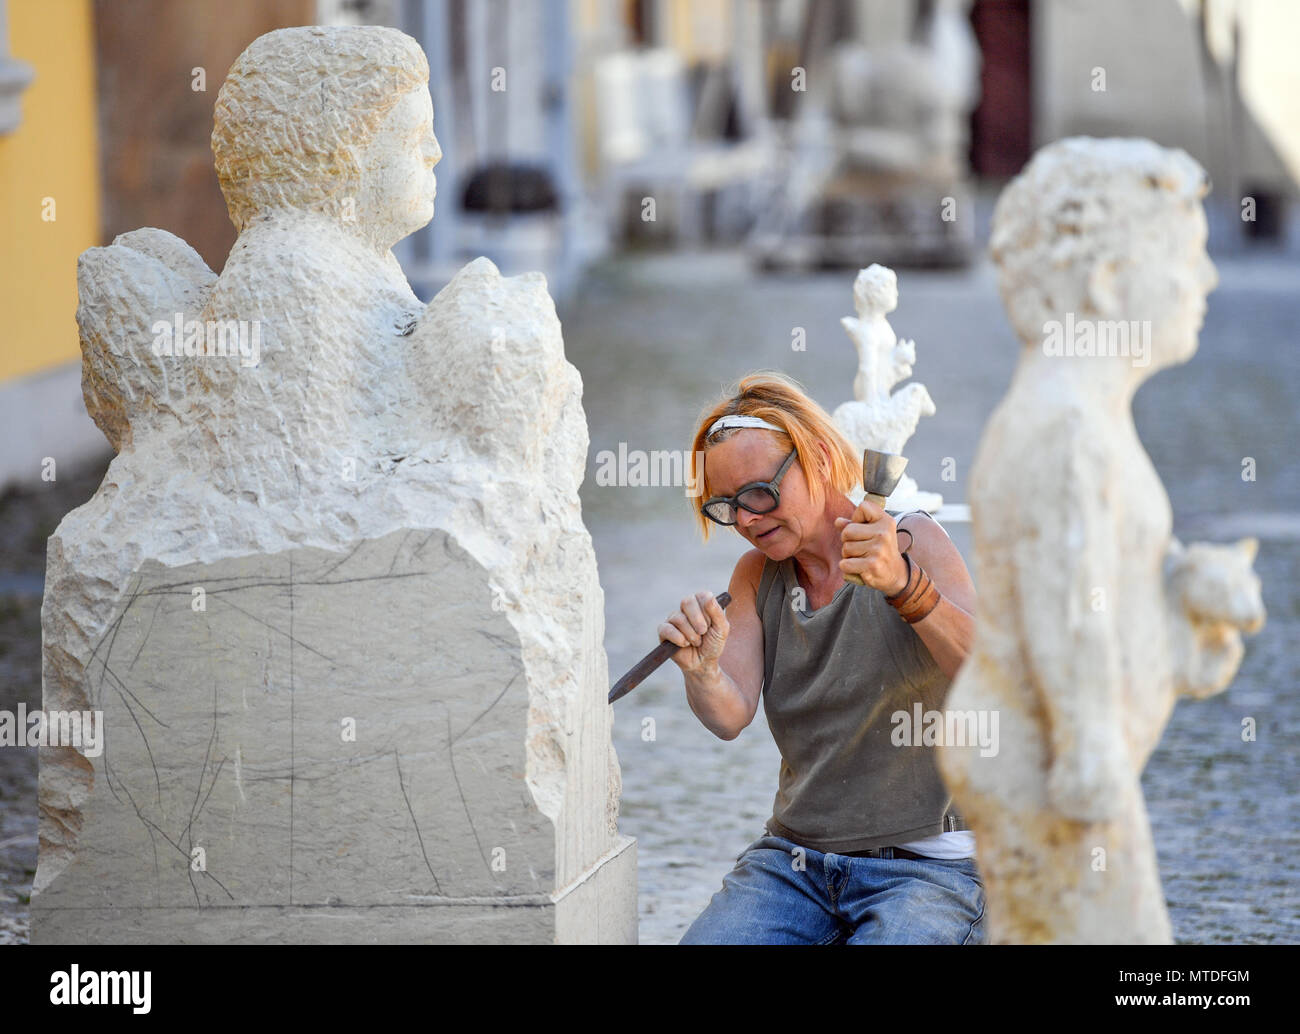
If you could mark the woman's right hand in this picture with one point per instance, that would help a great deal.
(700, 628)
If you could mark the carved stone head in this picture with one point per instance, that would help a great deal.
(1106, 229)
(334, 120)
(875, 291)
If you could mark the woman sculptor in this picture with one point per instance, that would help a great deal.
(862, 846)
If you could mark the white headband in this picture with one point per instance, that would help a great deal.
(735, 420)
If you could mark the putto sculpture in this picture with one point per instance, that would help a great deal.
(879, 417)
(334, 596)
(1092, 620)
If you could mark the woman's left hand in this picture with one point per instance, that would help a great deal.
(870, 548)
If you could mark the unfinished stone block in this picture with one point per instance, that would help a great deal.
(334, 597)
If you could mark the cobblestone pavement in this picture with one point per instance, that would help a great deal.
(655, 338)
(28, 517)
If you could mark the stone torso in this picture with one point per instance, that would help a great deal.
(1130, 545)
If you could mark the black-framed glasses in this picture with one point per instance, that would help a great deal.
(756, 497)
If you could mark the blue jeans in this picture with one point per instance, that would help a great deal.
(776, 896)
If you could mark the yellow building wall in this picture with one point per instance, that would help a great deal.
(52, 154)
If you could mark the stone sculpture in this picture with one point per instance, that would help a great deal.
(876, 162)
(1092, 620)
(903, 105)
(334, 596)
(877, 419)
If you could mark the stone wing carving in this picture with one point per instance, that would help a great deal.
(143, 278)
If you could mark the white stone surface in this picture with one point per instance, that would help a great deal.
(1091, 619)
(375, 525)
(879, 418)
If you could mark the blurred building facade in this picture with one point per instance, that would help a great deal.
(1218, 78)
(570, 128)
(50, 213)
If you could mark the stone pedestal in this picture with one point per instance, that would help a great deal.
(332, 748)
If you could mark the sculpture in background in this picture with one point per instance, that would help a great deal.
(903, 106)
(1092, 620)
(876, 159)
(880, 418)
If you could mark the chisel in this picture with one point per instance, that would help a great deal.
(652, 660)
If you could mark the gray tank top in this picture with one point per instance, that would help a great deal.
(832, 680)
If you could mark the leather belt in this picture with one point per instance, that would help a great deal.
(951, 822)
(881, 852)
